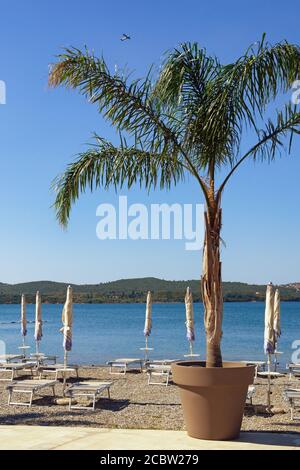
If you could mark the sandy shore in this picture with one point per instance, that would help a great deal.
(136, 405)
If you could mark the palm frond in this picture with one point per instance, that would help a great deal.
(276, 136)
(186, 83)
(254, 80)
(128, 105)
(104, 165)
(186, 74)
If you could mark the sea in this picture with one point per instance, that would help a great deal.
(102, 332)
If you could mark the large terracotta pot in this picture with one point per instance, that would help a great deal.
(213, 398)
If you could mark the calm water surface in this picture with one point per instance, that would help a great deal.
(106, 331)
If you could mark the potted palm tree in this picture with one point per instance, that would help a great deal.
(190, 119)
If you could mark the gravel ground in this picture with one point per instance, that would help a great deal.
(134, 404)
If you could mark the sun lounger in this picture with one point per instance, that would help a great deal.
(272, 374)
(14, 367)
(293, 369)
(43, 358)
(58, 370)
(124, 364)
(158, 369)
(28, 387)
(40, 359)
(259, 366)
(10, 357)
(87, 390)
(161, 361)
(293, 397)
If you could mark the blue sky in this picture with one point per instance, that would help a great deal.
(41, 130)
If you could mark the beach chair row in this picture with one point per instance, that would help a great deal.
(30, 388)
(159, 373)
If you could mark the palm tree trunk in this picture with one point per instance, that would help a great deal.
(211, 282)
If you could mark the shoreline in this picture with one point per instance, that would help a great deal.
(153, 303)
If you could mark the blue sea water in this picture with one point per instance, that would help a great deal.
(106, 331)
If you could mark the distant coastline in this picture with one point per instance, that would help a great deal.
(142, 302)
(125, 291)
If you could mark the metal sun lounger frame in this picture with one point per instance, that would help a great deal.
(159, 368)
(57, 369)
(29, 387)
(87, 389)
(6, 358)
(293, 397)
(124, 364)
(41, 359)
(293, 368)
(14, 367)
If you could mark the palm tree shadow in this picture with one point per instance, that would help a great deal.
(145, 403)
(16, 418)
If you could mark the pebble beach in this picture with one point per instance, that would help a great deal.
(136, 405)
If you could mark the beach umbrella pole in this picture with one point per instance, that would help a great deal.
(191, 351)
(65, 359)
(23, 347)
(65, 373)
(146, 350)
(269, 382)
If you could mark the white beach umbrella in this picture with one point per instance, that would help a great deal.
(67, 320)
(23, 318)
(38, 332)
(148, 319)
(276, 320)
(269, 336)
(189, 312)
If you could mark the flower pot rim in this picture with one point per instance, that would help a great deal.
(202, 365)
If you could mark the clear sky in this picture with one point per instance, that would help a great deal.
(42, 129)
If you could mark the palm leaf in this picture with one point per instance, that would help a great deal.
(105, 165)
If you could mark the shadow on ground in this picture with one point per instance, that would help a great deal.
(270, 438)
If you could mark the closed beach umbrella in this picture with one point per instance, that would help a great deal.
(189, 312)
(148, 322)
(276, 321)
(148, 319)
(276, 324)
(38, 332)
(67, 320)
(269, 337)
(23, 318)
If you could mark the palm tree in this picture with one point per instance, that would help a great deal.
(190, 119)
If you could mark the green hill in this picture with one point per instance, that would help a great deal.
(134, 290)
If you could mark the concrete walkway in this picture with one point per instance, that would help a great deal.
(79, 438)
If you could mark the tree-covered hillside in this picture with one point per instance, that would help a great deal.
(134, 290)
